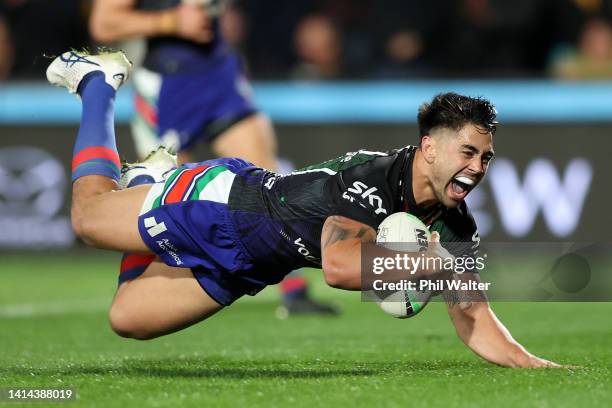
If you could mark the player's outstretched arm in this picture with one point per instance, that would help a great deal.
(341, 246)
(341, 240)
(480, 330)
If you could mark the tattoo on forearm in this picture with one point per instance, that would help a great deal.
(335, 234)
(461, 298)
(362, 232)
(454, 298)
(335, 230)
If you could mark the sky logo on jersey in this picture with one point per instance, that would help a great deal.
(363, 191)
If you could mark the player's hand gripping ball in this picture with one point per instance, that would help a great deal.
(403, 231)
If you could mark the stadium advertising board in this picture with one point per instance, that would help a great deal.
(545, 184)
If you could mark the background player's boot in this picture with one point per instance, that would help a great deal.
(154, 169)
(302, 304)
(71, 67)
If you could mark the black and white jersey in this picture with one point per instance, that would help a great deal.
(281, 217)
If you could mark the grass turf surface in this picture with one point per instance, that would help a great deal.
(54, 334)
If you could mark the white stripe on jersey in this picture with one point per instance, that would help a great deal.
(324, 170)
(369, 153)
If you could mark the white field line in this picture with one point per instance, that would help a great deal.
(51, 308)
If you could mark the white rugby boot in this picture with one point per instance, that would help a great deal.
(70, 68)
(154, 169)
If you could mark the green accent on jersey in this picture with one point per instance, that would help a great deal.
(200, 184)
(416, 220)
(203, 182)
(343, 162)
(157, 201)
(174, 175)
(446, 234)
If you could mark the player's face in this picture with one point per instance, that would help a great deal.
(461, 161)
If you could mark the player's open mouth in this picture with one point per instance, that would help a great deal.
(460, 186)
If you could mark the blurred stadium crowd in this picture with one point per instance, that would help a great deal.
(360, 39)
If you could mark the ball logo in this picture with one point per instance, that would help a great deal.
(421, 239)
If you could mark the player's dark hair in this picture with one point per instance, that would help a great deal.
(453, 111)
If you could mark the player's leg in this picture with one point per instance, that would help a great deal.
(251, 139)
(108, 219)
(159, 301)
(100, 216)
(145, 122)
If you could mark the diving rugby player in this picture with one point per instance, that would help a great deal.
(224, 228)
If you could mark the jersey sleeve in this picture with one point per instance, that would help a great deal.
(458, 233)
(362, 193)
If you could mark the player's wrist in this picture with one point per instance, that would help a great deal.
(167, 22)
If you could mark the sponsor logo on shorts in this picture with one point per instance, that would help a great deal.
(166, 245)
(153, 228)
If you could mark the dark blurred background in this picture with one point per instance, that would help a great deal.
(360, 39)
(363, 67)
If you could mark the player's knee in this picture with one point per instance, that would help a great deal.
(128, 324)
(85, 228)
(120, 321)
(76, 221)
(81, 227)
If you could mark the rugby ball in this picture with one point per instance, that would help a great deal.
(403, 232)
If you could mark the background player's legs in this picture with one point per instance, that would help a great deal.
(251, 139)
(160, 301)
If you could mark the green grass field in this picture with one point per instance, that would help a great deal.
(54, 334)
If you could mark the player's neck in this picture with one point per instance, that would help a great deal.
(421, 186)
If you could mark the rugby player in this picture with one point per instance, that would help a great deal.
(191, 89)
(224, 228)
